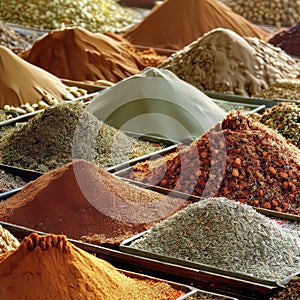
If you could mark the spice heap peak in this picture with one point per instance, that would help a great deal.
(50, 267)
(240, 159)
(224, 61)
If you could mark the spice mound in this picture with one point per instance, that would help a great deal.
(94, 56)
(7, 241)
(31, 84)
(285, 119)
(288, 40)
(12, 39)
(94, 15)
(59, 270)
(175, 24)
(228, 235)
(239, 159)
(277, 13)
(85, 202)
(291, 291)
(55, 136)
(223, 61)
(9, 181)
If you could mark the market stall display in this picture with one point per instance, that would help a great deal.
(224, 61)
(56, 268)
(7, 241)
(239, 158)
(87, 203)
(174, 24)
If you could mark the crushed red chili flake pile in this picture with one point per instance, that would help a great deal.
(239, 159)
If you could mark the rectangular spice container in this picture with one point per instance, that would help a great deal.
(25, 175)
(245, 99)
(200, 279)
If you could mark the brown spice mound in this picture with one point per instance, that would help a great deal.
(85, 202)
(239, 159)
(22, 83)
(93, 56)
(7, 241)
(291, 291)
(50, 267)
(176, 23)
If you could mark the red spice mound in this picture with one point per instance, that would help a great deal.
(50, 267)
(77, 54)
(85, 202)
(176, 23)
(239, 159)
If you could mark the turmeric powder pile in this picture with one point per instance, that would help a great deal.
(49, 267)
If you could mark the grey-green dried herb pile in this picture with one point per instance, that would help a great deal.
(227, 235)
(66, 131)
(93, 15)
(9, 181)
(290, 292)
(285, 119)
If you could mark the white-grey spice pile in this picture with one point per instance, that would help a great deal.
(227, 235)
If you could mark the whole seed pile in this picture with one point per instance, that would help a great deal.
(288, 39)
(199, 295)
(94, 15)
(9, 181)
(239, 159)
(227, 235)
(223, 61)
(290, 292)
(285, 119)
(55, 136)
(11, 39)
(288, 89)
(7, 241)
(277, 13)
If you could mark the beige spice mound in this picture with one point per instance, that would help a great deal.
(7, 241)
(21, 82)
(224, 61)
(77, 54)
(176, 23)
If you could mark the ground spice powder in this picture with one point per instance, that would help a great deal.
(49, 267)
(175, 24)
(30, 84)
(94, 56)
(239, 159)
(85, 202)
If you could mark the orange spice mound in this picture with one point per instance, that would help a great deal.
(50, 267)
(85, 202)
(176, 23)
(22, 82)
(77, 54)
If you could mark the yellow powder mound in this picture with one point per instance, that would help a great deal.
(176, 23)
(49, 267)
(22, 82)
(77, 54)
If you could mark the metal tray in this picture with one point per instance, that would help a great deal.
(126, 247)
(245, 99)
(26, 175)
(218, 283)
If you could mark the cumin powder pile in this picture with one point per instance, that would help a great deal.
(240, 159)
(85, 202)
(77, 54)
(176, 23)
(22, 82)
(50, 267)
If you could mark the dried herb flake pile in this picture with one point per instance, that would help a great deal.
(239, 159)
(227, 235)
(223, 61)
(55, 136)
(54, 268)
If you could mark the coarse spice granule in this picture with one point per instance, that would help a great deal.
(56, 269)
(9, 181)
(227, 235)
(7, 241)
(290, 292)
(239, 159)
(59, 134)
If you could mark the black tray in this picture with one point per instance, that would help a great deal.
(216, 283)
(26, 175)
